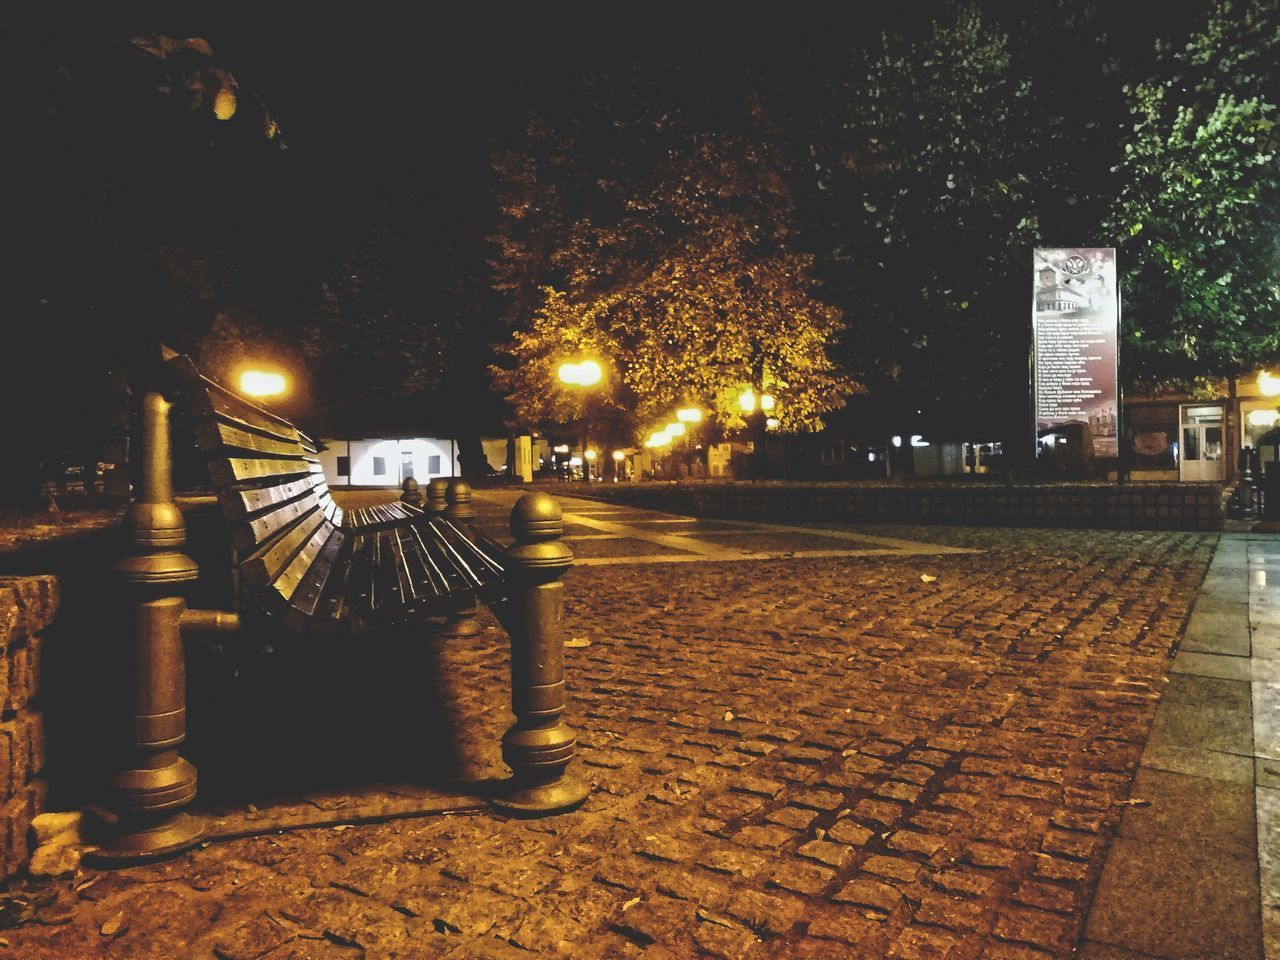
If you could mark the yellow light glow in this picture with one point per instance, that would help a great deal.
(1268, 384)
(659, 439)
(689, 415)
(771, 424)
(675, 429)
(260, 383)
(224, 104)
(766, 402)
(747, 401)
(562, 448)
(585, 373)
(591, 454)
(1264, 418)
(619, 455)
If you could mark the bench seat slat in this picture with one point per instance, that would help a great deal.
(306, 596)
(221, 402)
(356, 607)
(287, 580)
(228, 471)
(263, 567)
(215, 436)
(250, 534)
(244, 503)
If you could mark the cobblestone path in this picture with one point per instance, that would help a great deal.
(820, 756)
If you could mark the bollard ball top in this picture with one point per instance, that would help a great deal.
(410, 485)
(536, 517)
(458, 491)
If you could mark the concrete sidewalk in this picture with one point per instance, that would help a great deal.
(1194, 870)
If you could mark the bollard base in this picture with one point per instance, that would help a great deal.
(543, 800)
(163, 838)
(461, 628)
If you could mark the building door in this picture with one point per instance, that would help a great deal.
(1202, 453)
(406, 465)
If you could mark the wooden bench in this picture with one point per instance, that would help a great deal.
(301, 565)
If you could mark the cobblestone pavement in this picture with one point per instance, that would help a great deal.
(820, 756)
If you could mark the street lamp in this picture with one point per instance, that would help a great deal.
(262, 383)
(756, 408)
(582, 373)
(689, 415)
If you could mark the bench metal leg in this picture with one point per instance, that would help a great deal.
(156, 784)
(539, 746)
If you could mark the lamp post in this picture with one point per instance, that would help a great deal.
(757, 408)
(585, 374)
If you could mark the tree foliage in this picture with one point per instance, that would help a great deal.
(1200, 209)
(662, 246)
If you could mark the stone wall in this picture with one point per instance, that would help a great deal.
(27, 607)
(1133, 506)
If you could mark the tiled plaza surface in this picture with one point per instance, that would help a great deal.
(900, 742)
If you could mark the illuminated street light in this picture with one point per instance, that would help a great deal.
(771, 423)
(586, 373)
(659, 438)
(767, 402)
(591, 455)
(747, 401)
(675, 429)
(262, 383)
(619, 455)
(689, 415)
(1268, 384)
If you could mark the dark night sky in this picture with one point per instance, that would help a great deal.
(366, 96)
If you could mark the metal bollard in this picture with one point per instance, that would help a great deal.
(149, 794)
(437, 497)
(461, 620)
(539, 746)
(411, 493)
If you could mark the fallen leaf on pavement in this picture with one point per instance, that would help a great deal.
(927, 578)
(710, 917)
(113, 926)
(577, 643)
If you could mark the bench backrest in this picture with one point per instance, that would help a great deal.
(284, 525)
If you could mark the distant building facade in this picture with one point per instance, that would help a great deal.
(387, 462)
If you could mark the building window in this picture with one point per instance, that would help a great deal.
(433, 464)
(379, 466)
(344, 466)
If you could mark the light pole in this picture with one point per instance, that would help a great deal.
(585, 374)
(757, 409)
(690, 416)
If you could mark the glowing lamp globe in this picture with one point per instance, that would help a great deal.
(262, 383)
(689, 415)
(1268, 384)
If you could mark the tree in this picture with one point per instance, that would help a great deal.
(666, 252)
(116, 147)
(1200, 209)
(924, 211)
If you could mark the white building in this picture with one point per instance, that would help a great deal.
(386, 463)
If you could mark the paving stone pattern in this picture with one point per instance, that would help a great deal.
(820, 758)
